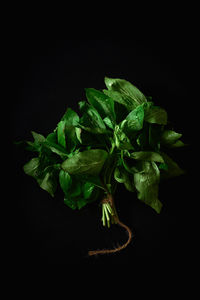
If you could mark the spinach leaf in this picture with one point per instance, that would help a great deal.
(91, 138)
(122, 176)
(56, 148)
(61, 133)
(88, 162)
(95, 130)
(108, 123)
(31, 167)
(36, 145)
(70, 202)
(102, 103)
(170, 137)
(135, 119)
(65, 181)
(48, 183)
(146, 182)
(91, 118)
(94, 180)
(39, 138)
(172, 169)
(45, 177)
(121, 140)
(52, 137)
(67, 130)
(119, 175)
(156, 114)
(178, 144)
(70, 117)
(147, 156)
(80, 194)
(87, 189)
(128, 164)
(125, 92)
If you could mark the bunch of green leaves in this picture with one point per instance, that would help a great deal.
(120, 137)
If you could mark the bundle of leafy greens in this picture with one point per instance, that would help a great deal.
(120, 137)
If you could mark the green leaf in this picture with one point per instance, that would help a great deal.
(122, 176)
(118, 175)
(66, 130)
(80, 194)
(135, 119)
(178, 144)
(78, 134)
(102, 103)
(129, 183)
(75, 190)
(117, 97)
(91, 138)
(170, 137)
(147, 156)
(73, 194)
(108, 123)
(94, 180)
(61, 133)
(38, 137)
(65, 181)
(122, 142)
(47, 158)
(95, 130)
(146, 182)
(71, 138)
(156, 114)
(42, 173)
(70, 117)
(87, 189)
(147, 105)
(121, 111)
(173, 168)
(81, 202)
(70, 202)
(48, 183)
(128, 164)
(88, 162)
(52, 137)
(125, 92)
(55, 148)
(148, 138)
(91, 118)
(31, 167)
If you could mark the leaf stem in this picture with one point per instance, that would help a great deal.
(103, 216)
(112, 147)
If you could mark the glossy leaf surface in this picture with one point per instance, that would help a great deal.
(88, 162)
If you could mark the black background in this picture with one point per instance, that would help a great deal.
(49, 75)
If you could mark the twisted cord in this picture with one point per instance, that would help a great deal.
(121, 247)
